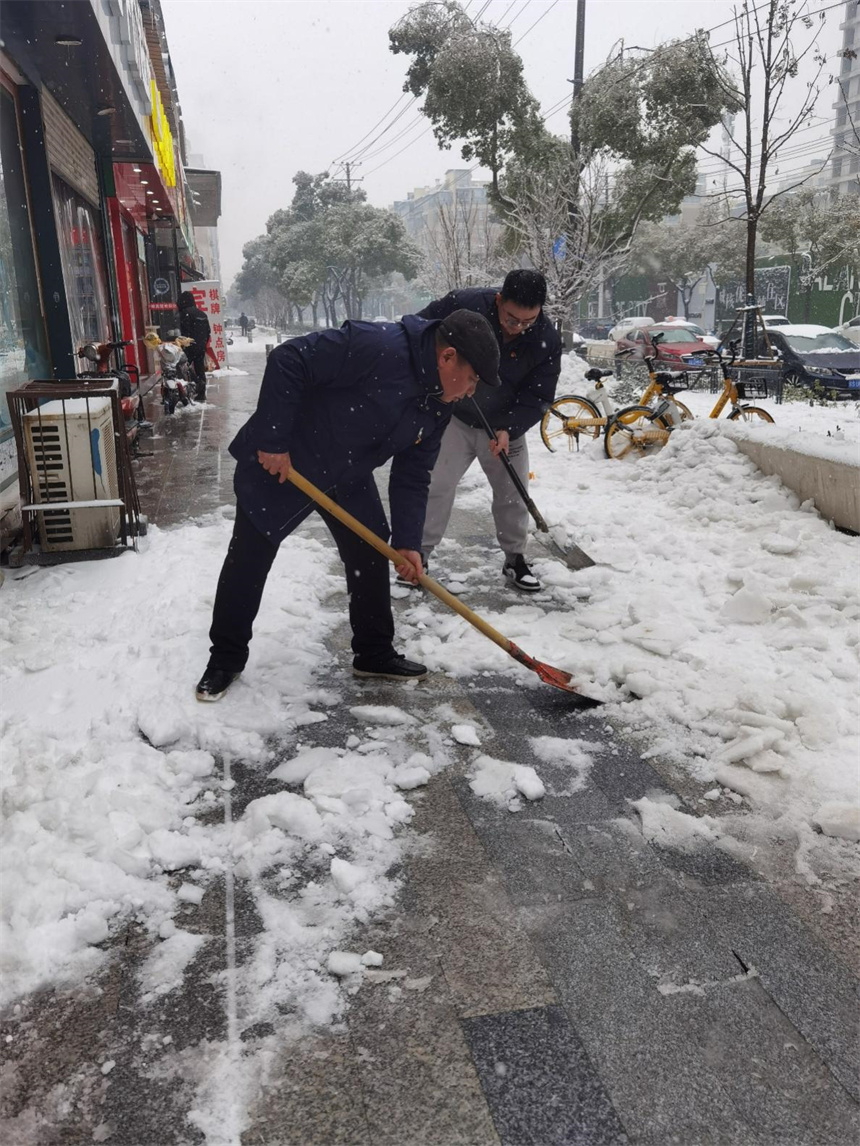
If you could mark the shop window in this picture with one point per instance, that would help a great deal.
(23, 346)
(83, 265)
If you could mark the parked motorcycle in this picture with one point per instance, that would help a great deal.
(177, 384)
(98, 355)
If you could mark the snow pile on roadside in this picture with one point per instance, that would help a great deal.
(720, 623)
(107, 755)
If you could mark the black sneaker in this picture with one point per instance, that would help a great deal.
(519, 574)
(391, 668)
(214, 683)
(398, 580)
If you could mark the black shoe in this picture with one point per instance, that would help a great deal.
(398, 580)
(214, 683)
(389, 668)
(517, 572)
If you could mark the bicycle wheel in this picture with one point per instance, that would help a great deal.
(634, 430)
(559, 423)
(750, 414)
(686, 413)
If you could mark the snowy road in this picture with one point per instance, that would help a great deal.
(192, 888)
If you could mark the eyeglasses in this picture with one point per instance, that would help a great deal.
(515, 323)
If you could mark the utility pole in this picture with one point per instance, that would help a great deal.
(575, 144)
(578, 54)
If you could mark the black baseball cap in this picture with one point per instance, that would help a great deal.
(472, 336)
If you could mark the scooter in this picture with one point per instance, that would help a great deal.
(98, 355)
(177, 385)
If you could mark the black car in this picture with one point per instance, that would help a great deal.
(816, 357)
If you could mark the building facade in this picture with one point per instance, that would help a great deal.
(845, 164)
(454, 225)
(96, 216)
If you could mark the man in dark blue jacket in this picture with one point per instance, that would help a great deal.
(337, 404)
(529, 366)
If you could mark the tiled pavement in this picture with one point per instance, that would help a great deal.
(570, 983)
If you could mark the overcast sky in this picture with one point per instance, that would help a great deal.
(272, 87)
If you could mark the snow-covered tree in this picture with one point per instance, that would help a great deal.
(574, 212)
(820, 233)
(766, 60)
(471, 80)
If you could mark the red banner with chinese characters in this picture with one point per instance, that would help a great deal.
(207, 296)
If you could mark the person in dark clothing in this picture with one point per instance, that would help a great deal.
(243, 322)
(530, 361)
(193, 323)
(337, 404)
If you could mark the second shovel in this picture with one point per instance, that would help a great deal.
(573, 557)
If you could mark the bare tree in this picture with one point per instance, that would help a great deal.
(460, 243)
(765, 59)
(573, 261)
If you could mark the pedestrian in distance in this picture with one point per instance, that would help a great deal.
(338, 404)
(530, 362)
(193, 323)
(243, 323)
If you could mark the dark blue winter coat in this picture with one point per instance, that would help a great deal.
(341, 403)
(529, 366)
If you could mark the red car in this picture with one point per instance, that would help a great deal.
(672, 351)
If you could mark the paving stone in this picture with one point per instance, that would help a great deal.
(310, 1098)
(646, 1046)
(810, 985)
(418, 1083)
(780, 1083)
(539, 1081)
(487, 958)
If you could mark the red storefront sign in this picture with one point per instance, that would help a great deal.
(207, 296)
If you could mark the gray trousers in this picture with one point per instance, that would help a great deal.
(461, 444)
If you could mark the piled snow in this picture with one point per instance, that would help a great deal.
(720, 623)
(108, 758)
(503, 782)
(466, 734)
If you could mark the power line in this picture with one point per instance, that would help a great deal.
(546, 12)
(517, 15)
(375, 126)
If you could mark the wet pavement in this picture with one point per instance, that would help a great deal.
(571, 982)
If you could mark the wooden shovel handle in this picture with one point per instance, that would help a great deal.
(396, 558)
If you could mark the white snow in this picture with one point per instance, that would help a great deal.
(466, 734)
(720, 626)
(503, 782)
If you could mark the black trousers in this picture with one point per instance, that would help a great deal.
(243, 578)
(198, 365)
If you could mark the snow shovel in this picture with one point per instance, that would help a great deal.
(574, 558)
(549, 675)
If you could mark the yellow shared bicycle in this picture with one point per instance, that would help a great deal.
(573, 416)
(645, 428)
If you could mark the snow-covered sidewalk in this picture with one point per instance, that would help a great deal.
(720, 626)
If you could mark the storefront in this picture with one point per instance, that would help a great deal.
(23, 339)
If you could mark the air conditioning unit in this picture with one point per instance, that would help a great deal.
(71, 455)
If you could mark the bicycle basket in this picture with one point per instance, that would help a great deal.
(673, 382)
(752, 388)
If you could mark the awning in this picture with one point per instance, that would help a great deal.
(205, 189)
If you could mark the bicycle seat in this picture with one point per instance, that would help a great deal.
(595, 374)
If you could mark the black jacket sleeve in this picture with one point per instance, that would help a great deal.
(536, 390)
(442, 307)
(408, 486)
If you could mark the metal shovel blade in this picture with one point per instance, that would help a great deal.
(554, 676)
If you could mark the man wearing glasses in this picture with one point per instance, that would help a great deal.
(530, 361)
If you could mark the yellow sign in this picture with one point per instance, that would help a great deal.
(162, 139)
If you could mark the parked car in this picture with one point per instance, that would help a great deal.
(627, 324)
(851, 330)
(679, 348)
(694, 328)
(775, 320)
(815, 356)
(595, 329)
